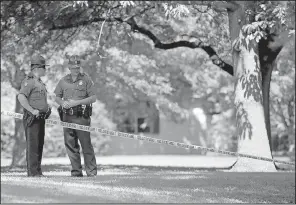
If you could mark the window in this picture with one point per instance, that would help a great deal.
(129, 126)
(143, 118)
(143, 125)
(126, 126)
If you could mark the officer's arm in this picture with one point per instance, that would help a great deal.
(88, 100)
(59, 93)
(24, 93)
(59, 100)
(24, 102)
(90, 90)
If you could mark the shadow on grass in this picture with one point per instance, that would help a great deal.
(62, 167)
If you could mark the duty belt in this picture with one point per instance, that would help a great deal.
(42, 115)
(79, 110)
(29, 118)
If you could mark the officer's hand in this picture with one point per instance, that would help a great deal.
(49, 109)
(73, 103)
(35, 112)
(66, 105)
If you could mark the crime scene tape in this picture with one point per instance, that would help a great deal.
(145, 138)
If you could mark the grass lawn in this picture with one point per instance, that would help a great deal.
(134, 184)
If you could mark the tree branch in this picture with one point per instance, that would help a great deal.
(220, 6)
(157, 43)
(12, 78)
(181, 43)
(72, 24)
(81, 23)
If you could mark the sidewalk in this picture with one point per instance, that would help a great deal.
(192, 161)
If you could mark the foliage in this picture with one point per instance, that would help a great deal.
(283, 96)
(271, 18)
(7, 124)
(122, 61)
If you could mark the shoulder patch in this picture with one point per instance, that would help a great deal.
(86, 76)
(67, 76)
(27, 81)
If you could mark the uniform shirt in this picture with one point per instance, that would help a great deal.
(81, 88)
(35, 91)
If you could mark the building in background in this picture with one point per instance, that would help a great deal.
(143, 117)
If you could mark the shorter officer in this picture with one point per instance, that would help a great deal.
(33, 98)
(75, 93)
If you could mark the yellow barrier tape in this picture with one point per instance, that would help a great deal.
(141, 137)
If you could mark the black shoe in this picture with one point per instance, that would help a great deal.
(36, 175)
(91, 175)
(77, 175)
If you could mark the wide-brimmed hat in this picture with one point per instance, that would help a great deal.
(38, 60)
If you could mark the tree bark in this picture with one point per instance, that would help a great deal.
(266, 78)
(252, 84)
(19, 147)
(251, 126)
(267, 58)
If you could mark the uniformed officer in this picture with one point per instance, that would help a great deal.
(33, 98)
(75, 94)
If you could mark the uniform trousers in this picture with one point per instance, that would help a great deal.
(34, 146)
(71, 138)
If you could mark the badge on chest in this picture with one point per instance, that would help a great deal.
(42, 92)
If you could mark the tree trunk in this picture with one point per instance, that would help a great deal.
(251, 127)
(19, 147)
(267, 69)
(267, 57)
(266, 78)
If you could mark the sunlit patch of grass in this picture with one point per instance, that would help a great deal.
(178, 177)
(152, 186)
(228, 200)
(230, 188)
(200, 190)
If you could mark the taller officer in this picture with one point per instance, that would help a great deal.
(33, 98)
(75, 93)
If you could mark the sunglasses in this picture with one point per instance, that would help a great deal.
(74, 67)
(33, 66)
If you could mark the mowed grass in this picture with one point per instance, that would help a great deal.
(147, 185)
